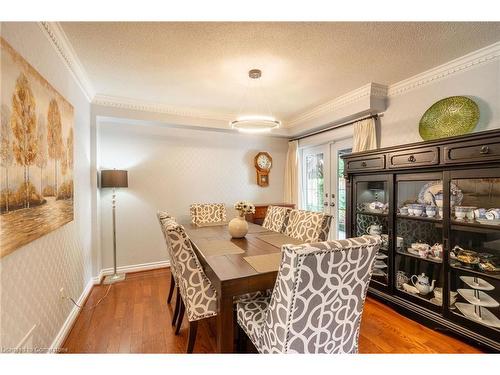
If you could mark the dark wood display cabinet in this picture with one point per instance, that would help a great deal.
(436, 205)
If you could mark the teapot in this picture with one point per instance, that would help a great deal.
(374, 230)
(422, 284)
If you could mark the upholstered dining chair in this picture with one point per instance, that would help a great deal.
(205, 213)
(276, 218)
(164, 218)
(308, 226)
(317, 302)
(198, 296)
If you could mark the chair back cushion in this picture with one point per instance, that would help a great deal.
(308, 226)
(318, 298)
(276, 218)
(203, 213)
(165, 219)
(196, 290)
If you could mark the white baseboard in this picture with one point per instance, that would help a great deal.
(131, 268)
(70, 320)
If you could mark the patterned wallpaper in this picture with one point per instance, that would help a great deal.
(32, 275)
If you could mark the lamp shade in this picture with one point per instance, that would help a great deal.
(112, 178)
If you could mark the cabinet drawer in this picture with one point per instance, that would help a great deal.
(420, 157)
(473, 151)
(366, 164)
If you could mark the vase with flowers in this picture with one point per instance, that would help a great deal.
(238, 227)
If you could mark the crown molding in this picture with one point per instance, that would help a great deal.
(145, 106)
(367, 91)
(458, 65)
(56, 35)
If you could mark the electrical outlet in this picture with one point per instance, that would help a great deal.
(61, 293)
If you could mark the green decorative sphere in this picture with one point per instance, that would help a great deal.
(456, 115)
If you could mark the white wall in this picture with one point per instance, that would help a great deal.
(170, 168)
(32, 275)
(399, 124)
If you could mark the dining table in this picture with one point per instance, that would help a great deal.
(236, 266)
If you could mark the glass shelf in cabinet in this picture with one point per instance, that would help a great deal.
(406, 253)
(459, 267)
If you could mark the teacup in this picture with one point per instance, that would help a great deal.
(399, 242)
(403, 210)
(418, 209)
(374, 230)
(461, 212)
(480, 213)
(430, 211)
(493, 213)
(469, 213)
(410, 211)
(423, 252)
(437, 250)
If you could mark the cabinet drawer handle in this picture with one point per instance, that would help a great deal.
(484, 150)
(412, 159)
(363, 164)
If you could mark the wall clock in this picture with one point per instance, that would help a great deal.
(263, 165)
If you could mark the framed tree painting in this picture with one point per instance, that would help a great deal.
(36, 154)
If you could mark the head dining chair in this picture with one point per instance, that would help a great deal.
(205, 213)
(317, 302)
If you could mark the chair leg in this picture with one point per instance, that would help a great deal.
(172, 287)
(177, 306)
(180, 317)
(193, 328)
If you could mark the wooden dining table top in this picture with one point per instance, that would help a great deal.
(230, 266)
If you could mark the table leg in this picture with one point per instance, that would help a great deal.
(225, 325)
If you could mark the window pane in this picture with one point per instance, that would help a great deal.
(341, 194)
(313, 188)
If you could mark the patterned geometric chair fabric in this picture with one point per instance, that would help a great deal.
(164, 218)
(203, 213)
(308, 226)
(317, 301)
(276, 218)
(197, 292)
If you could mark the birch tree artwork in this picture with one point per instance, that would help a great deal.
(36, 154)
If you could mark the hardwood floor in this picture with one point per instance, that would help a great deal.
(135, 318)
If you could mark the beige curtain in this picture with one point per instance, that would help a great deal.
(291, 193)
(365, 137)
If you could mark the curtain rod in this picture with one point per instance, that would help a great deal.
(375, 116)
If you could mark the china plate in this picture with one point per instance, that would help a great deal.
(481, 284)
(432, 188)
(379, 264)
(378, 272)
(487, 318)
(483, 300)
(381, 257)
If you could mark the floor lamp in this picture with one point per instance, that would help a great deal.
(114, 179)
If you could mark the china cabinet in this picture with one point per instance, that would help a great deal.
(436, 206)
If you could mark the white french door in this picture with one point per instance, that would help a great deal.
(323, 184)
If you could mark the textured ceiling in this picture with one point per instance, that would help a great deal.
(204, 65)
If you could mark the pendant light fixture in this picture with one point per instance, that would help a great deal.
(255, 122)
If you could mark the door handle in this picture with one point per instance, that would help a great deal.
(332, 204)
(325, 204)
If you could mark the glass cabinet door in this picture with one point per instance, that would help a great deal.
(418, 239)
(474, 256)
(371, 197)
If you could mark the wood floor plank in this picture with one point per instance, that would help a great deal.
(135, 318)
